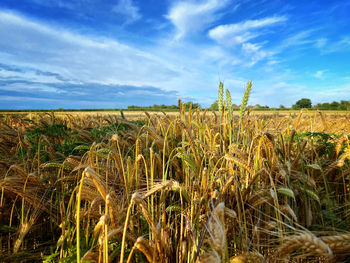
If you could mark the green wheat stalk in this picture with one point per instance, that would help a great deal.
(221, 96)
(245, 99)
(229, 107)
(243, 108)
(229, 103)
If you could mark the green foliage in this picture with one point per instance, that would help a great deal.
(194, 105)
(342, 105)
(331, 219)
(303, 103)
(243, 107)
(326, 141)
(163, 107)
(54, 130)
(70, 251)
(214, 106)
(155, 107)
(23, 256)
(228, 100)
(122, 115)
(98, 133)
(259, 107)
(58, 136)
(221, 96)
(5, 229)
(64, 140)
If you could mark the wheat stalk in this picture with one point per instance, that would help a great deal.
(221, 96)
(306, 241)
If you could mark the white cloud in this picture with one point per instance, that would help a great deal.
(56, 3)
(298, 39)
(219, 55)
(128, 9)
(319, 74)
(341, 45)
(272, 62)
(306, 39)
(28, 75)
(88, 59)
(75, 56)
(239, 36)
(38, 87)
(321, 42)
(233, 34)
(190, 17)
(345, 41)
(331, 93)
(249, 47)
(255, 53)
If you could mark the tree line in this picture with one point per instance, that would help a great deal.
(164, 107)
(303, 103)
(306, 103)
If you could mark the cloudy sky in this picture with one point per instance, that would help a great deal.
(115, 53)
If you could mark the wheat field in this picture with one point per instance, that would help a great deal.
(194, 186)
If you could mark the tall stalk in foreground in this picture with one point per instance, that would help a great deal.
(229, 109)
(243, 108)
(221, 96)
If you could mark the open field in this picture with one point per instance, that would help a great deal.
(175, 187)
(135, 115)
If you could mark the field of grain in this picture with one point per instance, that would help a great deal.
(193, 186)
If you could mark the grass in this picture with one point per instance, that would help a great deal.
(193, 186)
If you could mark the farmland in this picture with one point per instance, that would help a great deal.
(175, 187)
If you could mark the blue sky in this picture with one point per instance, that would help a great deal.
(115, 53)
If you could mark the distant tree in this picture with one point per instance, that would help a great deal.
(344, 105)
(194, 105)
(302, 103)
(282, 106)
(334, 105)
(318, 106)
(326, 106)
(214, 106)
